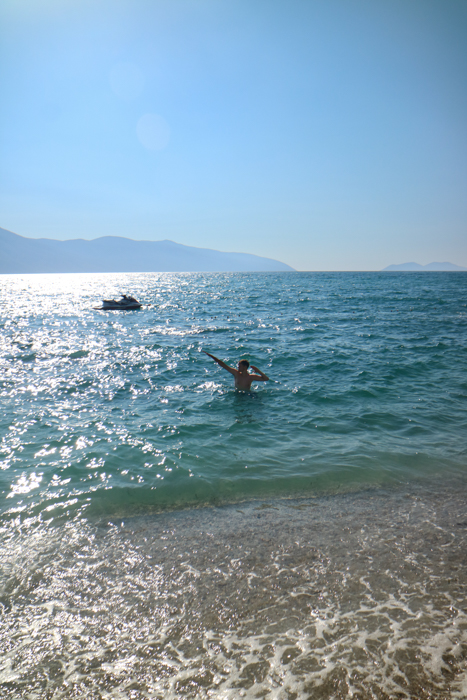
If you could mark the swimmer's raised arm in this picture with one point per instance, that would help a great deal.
(222, 364)
(261, 378)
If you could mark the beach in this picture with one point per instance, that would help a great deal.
(360, 595)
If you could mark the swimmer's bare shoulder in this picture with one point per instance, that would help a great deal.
(260, 377)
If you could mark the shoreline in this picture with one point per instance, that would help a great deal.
(358, 593)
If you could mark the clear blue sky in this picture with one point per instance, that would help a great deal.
(329, 134)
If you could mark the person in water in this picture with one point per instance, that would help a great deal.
(243, 379)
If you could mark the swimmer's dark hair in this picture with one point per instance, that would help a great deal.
(245, 363)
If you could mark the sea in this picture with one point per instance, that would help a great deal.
(165, 536)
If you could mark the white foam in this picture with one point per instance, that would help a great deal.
(218, 604)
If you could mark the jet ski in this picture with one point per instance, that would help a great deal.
(125, 303)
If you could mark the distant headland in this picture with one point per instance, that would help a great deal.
(431, 267)
(115, 254)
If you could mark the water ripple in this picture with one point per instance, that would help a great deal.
(367, 385)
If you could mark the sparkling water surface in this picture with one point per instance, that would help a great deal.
(110, 410)
(165, 536)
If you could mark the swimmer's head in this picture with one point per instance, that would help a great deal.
(243, 364)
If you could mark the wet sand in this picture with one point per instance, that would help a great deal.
(347, 596)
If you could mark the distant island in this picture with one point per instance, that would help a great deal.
(431, 267)
(115, 254)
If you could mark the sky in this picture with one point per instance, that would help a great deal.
(328, 134)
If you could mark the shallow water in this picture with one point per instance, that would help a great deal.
(164, 536)
(359, 595)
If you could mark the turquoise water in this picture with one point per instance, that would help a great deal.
(165, 536)
(106, 410)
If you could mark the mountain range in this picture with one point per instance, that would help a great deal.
(431, 267)
(115, 254)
